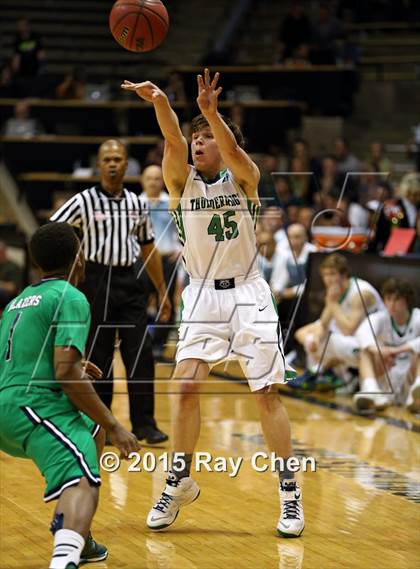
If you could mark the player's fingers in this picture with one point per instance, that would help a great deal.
(93, 369)
(207, 77)
(218, 91)
(200, 82)
(215, 80)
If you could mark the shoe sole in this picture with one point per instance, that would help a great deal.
(164, 526)
(290, 535)
(95, 559)
(364, 404)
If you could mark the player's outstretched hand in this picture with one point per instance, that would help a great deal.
(146, 90)
(125, 441)
(165, 310)
(92, 370)
(208, 93)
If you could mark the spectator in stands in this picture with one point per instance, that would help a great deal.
(305, 218)
(301, 180)
(268, 167)
(292, 212)
(348, 213)
(370, 188)
(301, 149)
(346, 161)
(155, 154)
(283, 192)
(237, 115)
(377, 161)
(175, 88)
(390, 344)
(22, 124)
(329, 342)
(268, 254)
(330, 179)
(272, 220)
(325, 33)
(73, 85)
(7, 83)
(398, 212)
(295, 30)
(288, 278)
(290, 270)
(167, 243)
(10, 277)
(28, 51)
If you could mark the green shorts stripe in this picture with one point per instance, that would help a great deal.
(95, 429)
(65, 441)
(56, 492)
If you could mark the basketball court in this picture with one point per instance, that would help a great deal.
(363, 497)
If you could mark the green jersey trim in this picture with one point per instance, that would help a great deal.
(177, 217)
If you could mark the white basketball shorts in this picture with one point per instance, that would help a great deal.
(239, 323)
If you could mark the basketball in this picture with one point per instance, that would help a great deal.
(139, 25)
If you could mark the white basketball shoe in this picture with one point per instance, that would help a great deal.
(177, 493)
(291, 521)
(413, 399)
(370, 398)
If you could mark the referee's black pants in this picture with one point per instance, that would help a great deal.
(118, 303)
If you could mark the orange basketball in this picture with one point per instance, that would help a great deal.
(139, 25)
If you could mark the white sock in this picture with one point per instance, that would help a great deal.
(68, 546)
(369, 385)
(311, 364)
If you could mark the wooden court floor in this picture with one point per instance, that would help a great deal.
(361, 505)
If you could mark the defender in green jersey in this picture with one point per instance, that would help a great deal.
(49, 410)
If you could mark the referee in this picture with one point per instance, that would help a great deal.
(115, 228)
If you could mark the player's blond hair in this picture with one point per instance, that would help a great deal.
(200, 122)
(336, 262)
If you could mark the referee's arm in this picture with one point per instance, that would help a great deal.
(70, 212)
(153, 263)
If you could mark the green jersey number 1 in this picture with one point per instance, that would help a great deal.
(223, 229)
(10, 338)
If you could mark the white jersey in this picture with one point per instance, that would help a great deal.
(216, 226)
(381, 328)
(357, 287)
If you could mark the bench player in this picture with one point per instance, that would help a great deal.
(330, 341)
(390, 339)
(228, 309)
(44, 388)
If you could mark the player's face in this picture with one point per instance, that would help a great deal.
(331, 277)
(112, 163)
(396, 305)
(205, 152)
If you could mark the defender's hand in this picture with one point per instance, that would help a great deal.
(125, 441)
(207, 93)
(92, 370)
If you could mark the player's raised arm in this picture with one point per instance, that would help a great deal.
(245, 171)
(175, 159)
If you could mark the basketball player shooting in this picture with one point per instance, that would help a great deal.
(228, 309)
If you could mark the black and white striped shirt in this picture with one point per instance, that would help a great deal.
(112, 229)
